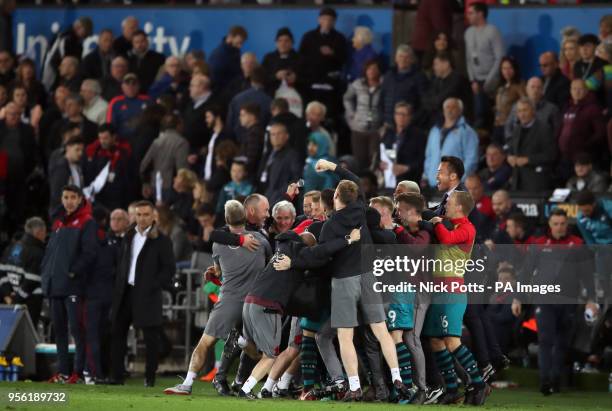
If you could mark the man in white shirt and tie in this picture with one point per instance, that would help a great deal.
(146, 266)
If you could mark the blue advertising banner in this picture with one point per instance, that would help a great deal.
(526, 31)
(176, 31)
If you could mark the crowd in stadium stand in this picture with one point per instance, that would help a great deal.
(86, 145)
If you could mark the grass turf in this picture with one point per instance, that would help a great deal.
(134, 396)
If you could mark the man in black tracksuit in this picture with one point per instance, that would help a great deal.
(69, 257)
(352, 289)
(20, 269)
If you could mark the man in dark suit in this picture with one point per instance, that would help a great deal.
(144, 61)
(556, 85)
(532, 150)
(194, 115)
(280, 167)
(146, 265)
(96, 64)
(450, 173)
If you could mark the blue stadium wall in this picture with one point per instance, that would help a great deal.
(526, 31)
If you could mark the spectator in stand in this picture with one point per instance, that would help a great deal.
(7, 67)
(530, 152)
(585, 178)
(509, 92)
(146, 266)
(124, 109)
(407, 142)
(497, 173)
(65, 169)
(483, 54)
(69, 75)
(517, 229)
(441, 44)
(111, 84)
(601, 81)
(277, 62)
(21, 267)
(499, 310)
(502, 206)
(324, 54)
(144, 62)
(594, 218)
(254, 95)
(240, 186)
(123, 44)
(556, 85)
(242, 82)
(224, 61)
(362, 52)
(173, 81)
(18, 144)
(25, 76)
(432, 17)
(54, 112)
(452, 137)
(446, 82)
(95, 107)
(194, 116)
(205, 215)
(315, 119)
(589, 63)
(69, 258)
(280, 167)
(173, 227)
(73, 118)
(165, 157)
(215, 127)
(482, 202)
(96, 65)
(361, 109)
(403, 82)
(195, 62)
(225, 152)
(253, 143)
(181, 198)
(31, 113)
(546, 111)
(68, 43)
(280, 111)
(318, 148)
(583, 128)
(109, 149)
(148, 126)
(288, 90)
(569, 56)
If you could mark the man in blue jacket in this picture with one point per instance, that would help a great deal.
(224, 61)
(69, 256)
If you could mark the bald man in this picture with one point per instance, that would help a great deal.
(406, 186)
(201, 99)
(123, 43)
(546, 111)
(174, 81)
(556, 85)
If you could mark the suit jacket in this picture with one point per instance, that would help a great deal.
(92, 65)
(538, 144)
(281, 170)
(146, 68)
(154, 269)
(558, 89)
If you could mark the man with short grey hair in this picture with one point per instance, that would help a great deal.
(283, 213)
(239, 267)
(95, 107)
(403, 82)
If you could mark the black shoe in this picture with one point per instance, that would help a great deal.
(222, 388)
(231, 346)
(247, 395)
(432, 395)
(469, 394)
(405, 393)
(149, 382)
(280, 393)
(478, 394)
(382, 392)
(451, 397)
(264, 393)
(419, 397)
(487, 373)
(501, 363)
(353, 396)
(546, 389)
(235, 388)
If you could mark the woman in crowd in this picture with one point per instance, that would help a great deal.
(441, 43)
(362, 110)
(363, 52)
(509, 92)
(25, 76)
(569, 57)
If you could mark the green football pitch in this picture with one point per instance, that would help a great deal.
(134, 396)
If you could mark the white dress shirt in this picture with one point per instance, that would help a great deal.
(137, 243)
